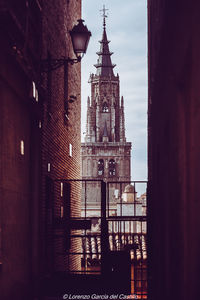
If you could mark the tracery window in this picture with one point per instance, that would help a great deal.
(105, 107)
(100, 167)
(112, 167)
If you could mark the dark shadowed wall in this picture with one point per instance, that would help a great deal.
(174, 144)
(33, 134)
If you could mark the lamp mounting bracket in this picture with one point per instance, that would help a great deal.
(48, 65)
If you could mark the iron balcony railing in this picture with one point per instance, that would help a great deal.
(109, 220)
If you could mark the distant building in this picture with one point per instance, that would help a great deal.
(131, 205)
(105, 153)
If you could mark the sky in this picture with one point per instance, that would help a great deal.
(126, 27)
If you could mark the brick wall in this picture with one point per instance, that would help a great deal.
(29, 196)
(59, 132)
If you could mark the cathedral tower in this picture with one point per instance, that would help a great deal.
(105, 152)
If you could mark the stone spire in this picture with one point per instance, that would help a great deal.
(104, 64)
(105, 153)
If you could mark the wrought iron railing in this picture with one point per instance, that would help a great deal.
(112, 220)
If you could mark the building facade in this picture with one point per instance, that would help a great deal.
(105, 153)
(39, 145)
(174, 144)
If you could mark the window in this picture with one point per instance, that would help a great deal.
(34, 92)
(100, 167)
(48, 167)
(112, 167)
(22, 147)
(61, 189)
(70, 150)
(105, 107)
(62, 211)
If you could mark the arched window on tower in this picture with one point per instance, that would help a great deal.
(112, 167)
(100, 167)
(105, 107)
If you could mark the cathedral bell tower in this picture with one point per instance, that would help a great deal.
(105, 152)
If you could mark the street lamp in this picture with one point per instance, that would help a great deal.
(80, 37)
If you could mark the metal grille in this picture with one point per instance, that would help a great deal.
(126, 213)
(111, 223)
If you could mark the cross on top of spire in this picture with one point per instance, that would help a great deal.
(104, 15)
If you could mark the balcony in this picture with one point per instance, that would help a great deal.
(107, 245)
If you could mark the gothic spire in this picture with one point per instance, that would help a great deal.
(104, 64)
